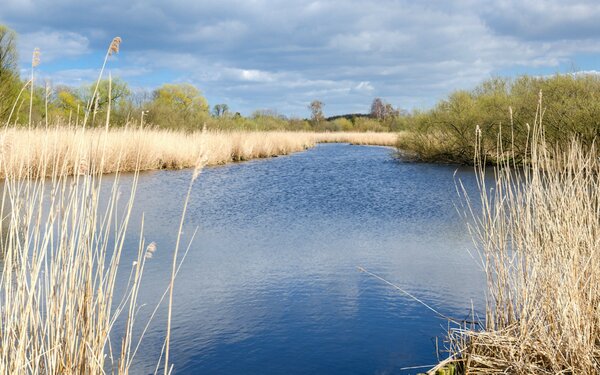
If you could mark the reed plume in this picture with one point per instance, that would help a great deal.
(113, 48)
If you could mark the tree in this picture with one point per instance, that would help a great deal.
(381, 110)
(178, 106)
(68, 102)
(378, 109)
(9, 73)
(119, 93)
(120, 103)
(390, 111)
(316, 110)
(220, 110)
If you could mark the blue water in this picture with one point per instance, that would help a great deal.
(270, 284)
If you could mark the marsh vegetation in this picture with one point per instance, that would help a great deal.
(536, 224)
(536, 230)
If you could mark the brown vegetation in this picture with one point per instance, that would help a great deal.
(61, 243)
(145, 149)
(539, 236)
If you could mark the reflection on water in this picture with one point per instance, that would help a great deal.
(270, 285)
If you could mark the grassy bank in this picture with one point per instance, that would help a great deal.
(43, 150)
(538, 235)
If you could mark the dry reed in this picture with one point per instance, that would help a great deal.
(156, 149)
(58, 270)
(61, 242)
(539, 237)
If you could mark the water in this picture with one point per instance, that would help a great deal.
(270, 284)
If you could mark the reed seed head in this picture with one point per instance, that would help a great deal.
(150, 249)
(114, 45)
(35, 59)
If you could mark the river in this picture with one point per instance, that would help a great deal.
(270, 284)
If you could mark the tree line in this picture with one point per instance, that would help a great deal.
(179, 106)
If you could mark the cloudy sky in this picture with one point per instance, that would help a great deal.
(281, 54)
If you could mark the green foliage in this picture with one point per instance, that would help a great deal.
(178, 106)
(363, 124)
(120, 104)
(220, 110)
(9, 73)
(343, 124)
(447, 132)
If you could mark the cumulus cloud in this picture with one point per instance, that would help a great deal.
(281, 54)
(54, 44)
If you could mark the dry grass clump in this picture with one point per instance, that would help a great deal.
(145, 149)
(359, 138)
(539, 238)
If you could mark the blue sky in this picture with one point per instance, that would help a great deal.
(281, 54)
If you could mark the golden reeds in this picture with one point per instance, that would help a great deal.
(539, 237)
(61, 242)
(157, 148)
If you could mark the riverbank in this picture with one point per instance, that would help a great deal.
(40, 151)
(537, 235)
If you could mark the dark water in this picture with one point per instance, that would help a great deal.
(270, 284)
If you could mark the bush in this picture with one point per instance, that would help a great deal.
(447, 132)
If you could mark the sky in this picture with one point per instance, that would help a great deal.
(282, 54)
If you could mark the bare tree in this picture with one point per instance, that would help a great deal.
(316, 110)
(378, 109)
(382, 110)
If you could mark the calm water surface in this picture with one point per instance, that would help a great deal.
(270, 284)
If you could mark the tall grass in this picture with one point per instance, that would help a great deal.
(62, 237)
(358, 138)
(539, 236)
(62, 242)
(145, 149)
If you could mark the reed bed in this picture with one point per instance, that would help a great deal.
(356, 138)
(146, 149)
(62, 237)
(61, 244)
(539, 241)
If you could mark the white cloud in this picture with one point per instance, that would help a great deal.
(279, 53)
(364, 86)
(52, 44)
(252, 75)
